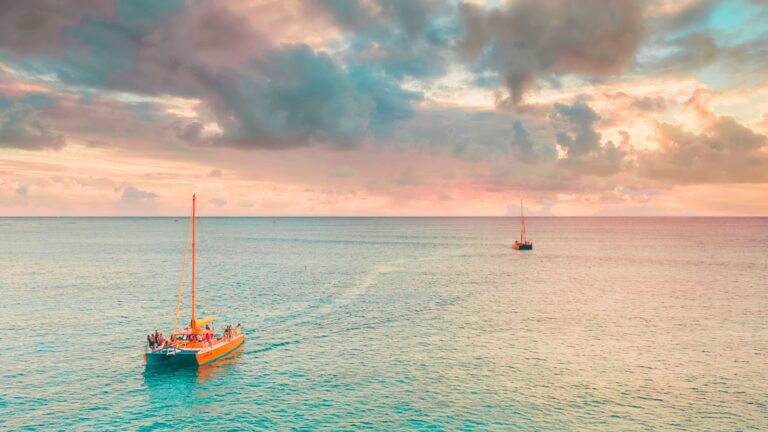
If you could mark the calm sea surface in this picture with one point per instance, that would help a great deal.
(391, 324)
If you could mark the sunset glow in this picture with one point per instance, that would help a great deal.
(428, 107)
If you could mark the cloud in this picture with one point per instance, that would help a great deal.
(406, 38)
(102, 51)
(581, 138)
(191, 132)
(37, 120)
(681, 54)
(140, 46)
(219, 202)
(532, 39)
(478, 135)
(134, 196)
(706, 34)
(725, 151)
(521, 140)
(295, 96)
(650, 104)
(207, 35)
(582, 144)
(21, 191)
(409, 85)
(261, 96)
(21, 126)
(37, 25)
(341, 172)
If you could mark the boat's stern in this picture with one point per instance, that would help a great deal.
(219, 351)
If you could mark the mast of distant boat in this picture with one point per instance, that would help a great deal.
(193, 262)
(522, 228)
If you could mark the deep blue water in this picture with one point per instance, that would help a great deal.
(391, 324)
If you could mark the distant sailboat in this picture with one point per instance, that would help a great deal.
(522, 244)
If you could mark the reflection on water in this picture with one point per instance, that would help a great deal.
(161, 376)
(166, 384)
(209, 371)
(177, 385)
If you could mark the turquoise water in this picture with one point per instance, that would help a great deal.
(391, 324)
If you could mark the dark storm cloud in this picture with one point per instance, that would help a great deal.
(207, 36)
(262, 96)
(532, 39)
(143, 46)
(295, 96)
(96, 50)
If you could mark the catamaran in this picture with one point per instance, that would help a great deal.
(522, 244)
(197, 344)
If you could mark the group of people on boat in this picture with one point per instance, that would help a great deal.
(230, 333)
(156, 340)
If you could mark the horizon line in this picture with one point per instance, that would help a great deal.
(371, 216)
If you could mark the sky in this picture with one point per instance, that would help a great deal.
(384, 107)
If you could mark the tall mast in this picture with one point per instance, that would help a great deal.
(522, 232)
(193, 261)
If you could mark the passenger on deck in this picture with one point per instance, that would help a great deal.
(237, 329)
(151, 342)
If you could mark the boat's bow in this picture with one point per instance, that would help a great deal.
(171, 355)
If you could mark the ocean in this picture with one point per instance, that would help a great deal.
(390, 324)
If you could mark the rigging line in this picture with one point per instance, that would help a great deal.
(181, 280)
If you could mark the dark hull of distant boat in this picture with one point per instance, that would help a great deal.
(522, 246)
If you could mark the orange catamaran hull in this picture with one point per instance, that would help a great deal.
(180, 356)
(197, 344)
